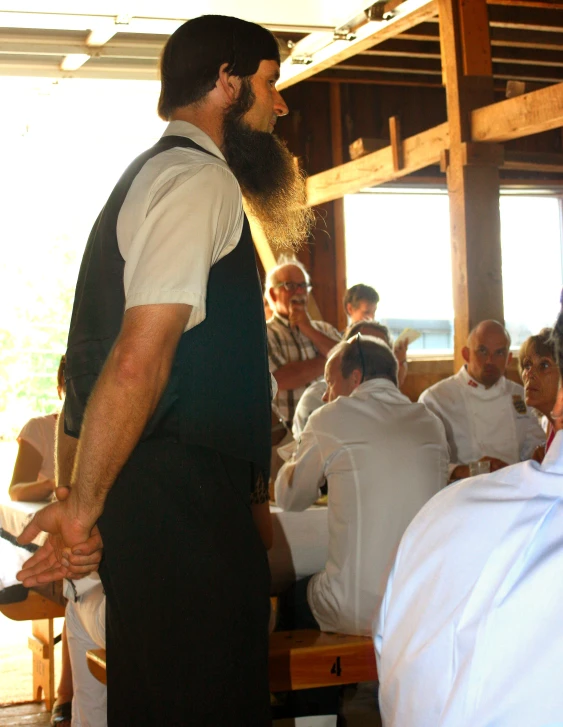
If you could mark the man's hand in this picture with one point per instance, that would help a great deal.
(496, 464)
(298, 316)
(73, 547)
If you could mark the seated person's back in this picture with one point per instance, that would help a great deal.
(383, 457)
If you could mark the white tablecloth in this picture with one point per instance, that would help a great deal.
(300, 543)
(13, 517)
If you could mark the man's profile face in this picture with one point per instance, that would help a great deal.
(336, 384)
(294, 293)
(364, 311)
(268, 103)
(487, 355)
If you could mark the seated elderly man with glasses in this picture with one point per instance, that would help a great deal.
(297, 345)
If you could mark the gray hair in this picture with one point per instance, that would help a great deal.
(375, 359)
(272, 279)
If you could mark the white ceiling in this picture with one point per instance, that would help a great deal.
(305, 14)
(122, 39)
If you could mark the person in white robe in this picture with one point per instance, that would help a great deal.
(484, 413)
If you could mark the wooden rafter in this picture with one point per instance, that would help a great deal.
(419, 151)
(410, 13)
(528, 114)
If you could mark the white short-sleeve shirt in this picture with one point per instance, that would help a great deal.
(182, 214)
(40, 433)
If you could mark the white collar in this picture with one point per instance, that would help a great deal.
(281, 319)
(184, 128)
(372, 386)
(478, 390)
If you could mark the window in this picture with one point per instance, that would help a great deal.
(398, 241)
(63, 146)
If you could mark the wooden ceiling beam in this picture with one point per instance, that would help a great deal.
(392, 65)
(419, 151)
(545, 19)
(409, 14)
(524, 115)
(378, 79)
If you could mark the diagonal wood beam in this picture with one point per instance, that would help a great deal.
(524, 115)
(409, 14)
(419, 151)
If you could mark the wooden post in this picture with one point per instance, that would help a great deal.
(43, 648)
(473, 178)
(338, 205)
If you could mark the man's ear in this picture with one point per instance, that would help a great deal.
(465, 354)
(229, 84)
(273, 295)
(349, 308)
(356, 376)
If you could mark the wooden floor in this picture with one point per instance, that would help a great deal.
(25, 715)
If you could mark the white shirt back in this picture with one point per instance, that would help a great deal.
(469, 633)
(383, 458)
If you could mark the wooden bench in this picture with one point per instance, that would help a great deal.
(41, 612)
(300, 660)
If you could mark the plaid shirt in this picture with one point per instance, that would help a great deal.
(286, 345)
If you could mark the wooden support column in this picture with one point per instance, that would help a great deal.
(472, 171)
(338, 205)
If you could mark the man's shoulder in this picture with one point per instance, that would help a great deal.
(326, 328)
(447, 388)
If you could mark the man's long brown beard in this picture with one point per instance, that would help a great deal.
(273, 186)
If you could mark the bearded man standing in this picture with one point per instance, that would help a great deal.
(171, 405)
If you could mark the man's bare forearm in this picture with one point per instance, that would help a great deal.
(299, 373)
(324, 344)
(66, 452)
(126, 394)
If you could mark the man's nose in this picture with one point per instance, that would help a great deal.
(280, 106)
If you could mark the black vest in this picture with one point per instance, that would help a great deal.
(218, 395)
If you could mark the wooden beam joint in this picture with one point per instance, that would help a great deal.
(475, 154)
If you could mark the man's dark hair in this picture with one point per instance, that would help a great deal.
(360, 292)
(190, 61)
(377, 328)
(375, 360)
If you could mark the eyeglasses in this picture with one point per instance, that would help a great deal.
(293, 287)
(361, 354)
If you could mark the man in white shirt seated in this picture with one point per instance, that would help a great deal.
(484, 413)
(382, 457)
(469, 633)
(312, 398)
(297, 345)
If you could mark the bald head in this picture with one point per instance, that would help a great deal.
(487, 352)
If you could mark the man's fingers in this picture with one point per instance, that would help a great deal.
(44, 552)
(48, 576)
(76, 572)
(29, 533)
(91, 560)
(93, 544)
